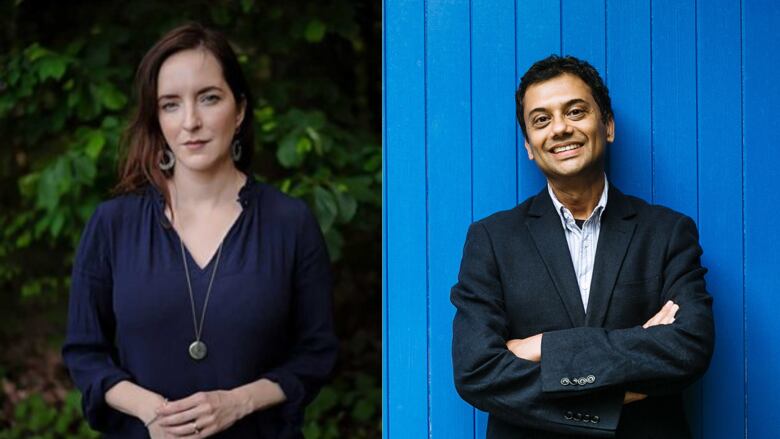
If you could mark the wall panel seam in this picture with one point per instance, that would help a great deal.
(427, 225)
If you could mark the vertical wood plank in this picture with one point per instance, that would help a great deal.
(538, 36)
(675, 162)
(584, 31)
(674, 105)
(494, 152)
(405, 350)
(761, 88)
(630, 165)
(720, 210)
(449, 199)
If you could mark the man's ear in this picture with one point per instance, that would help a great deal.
(529, 150)
(611, 129)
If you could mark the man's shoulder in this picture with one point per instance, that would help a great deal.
(654, 214)
(508, 218)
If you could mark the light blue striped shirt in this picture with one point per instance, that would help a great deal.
(582, 242)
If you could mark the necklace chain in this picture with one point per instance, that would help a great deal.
(199, 327)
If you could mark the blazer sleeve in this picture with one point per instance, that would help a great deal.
(658, 360)
(491, 378)
(315, 347)
(89, 352)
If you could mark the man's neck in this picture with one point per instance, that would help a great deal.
(581, 196)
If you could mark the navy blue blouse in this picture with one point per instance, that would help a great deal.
(269, 314)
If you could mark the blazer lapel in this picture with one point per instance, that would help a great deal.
(617, 229)
(545, 227)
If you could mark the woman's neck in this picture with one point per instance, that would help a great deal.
(199, 190)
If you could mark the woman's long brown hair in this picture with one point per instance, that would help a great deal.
(145, 144)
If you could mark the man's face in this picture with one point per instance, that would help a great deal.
(566, 135)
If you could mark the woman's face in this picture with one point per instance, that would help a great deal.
(197, 111)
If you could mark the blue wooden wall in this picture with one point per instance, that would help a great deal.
(696, 92)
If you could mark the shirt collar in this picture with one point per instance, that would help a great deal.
(565, 214)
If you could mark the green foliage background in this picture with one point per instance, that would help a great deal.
(66, 70)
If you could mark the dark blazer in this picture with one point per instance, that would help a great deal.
(517, 279)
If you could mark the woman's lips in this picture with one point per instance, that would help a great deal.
(195, 145)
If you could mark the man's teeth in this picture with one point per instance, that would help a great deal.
(566, 148)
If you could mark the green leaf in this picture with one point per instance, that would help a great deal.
(363, 410)
(347, 206)
(312, 431)
(373, 164)
(264, 114)
(303, 146)
(268, 126)
(287, 153)
(35, 52)
(315, 137)
(51, 67)
(315, 31)
(247, 5)
(325, 207)
(95, 142)
(56, 223)
(24, 239)
(335, 242)
(28, 185)
(84, 169)
(111, 97)
(47, 191)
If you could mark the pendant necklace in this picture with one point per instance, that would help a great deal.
(197, 348)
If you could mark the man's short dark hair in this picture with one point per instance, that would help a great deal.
(554, 66)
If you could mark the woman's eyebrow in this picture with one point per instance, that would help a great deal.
(201, 91)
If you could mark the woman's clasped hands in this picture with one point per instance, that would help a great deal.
(197, 416)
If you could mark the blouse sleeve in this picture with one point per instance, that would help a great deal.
(89, 352)
(315, 346)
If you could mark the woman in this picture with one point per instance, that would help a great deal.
(200, 301)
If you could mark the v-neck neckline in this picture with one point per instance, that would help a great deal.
(244, 199)
(188, 254)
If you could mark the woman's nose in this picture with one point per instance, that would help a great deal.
(191, 118)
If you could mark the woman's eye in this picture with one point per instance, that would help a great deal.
(169, 106)
(210, 99)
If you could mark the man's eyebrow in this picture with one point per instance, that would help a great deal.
(201, 91)
(568, 103)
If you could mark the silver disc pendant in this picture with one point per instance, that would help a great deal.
(198, 350)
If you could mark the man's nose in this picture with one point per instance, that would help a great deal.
(560, 126)
(191, 118)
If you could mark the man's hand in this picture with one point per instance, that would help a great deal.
(633, 397)
(527, 348)
(664, 317)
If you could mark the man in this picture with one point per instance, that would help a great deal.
(581, 312)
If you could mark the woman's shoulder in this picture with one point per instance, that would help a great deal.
(277, 204)
(121, 206)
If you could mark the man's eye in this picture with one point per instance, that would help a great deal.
(577, 112)
(540, 120)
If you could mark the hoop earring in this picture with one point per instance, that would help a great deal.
(235, 150)
(168, 160)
